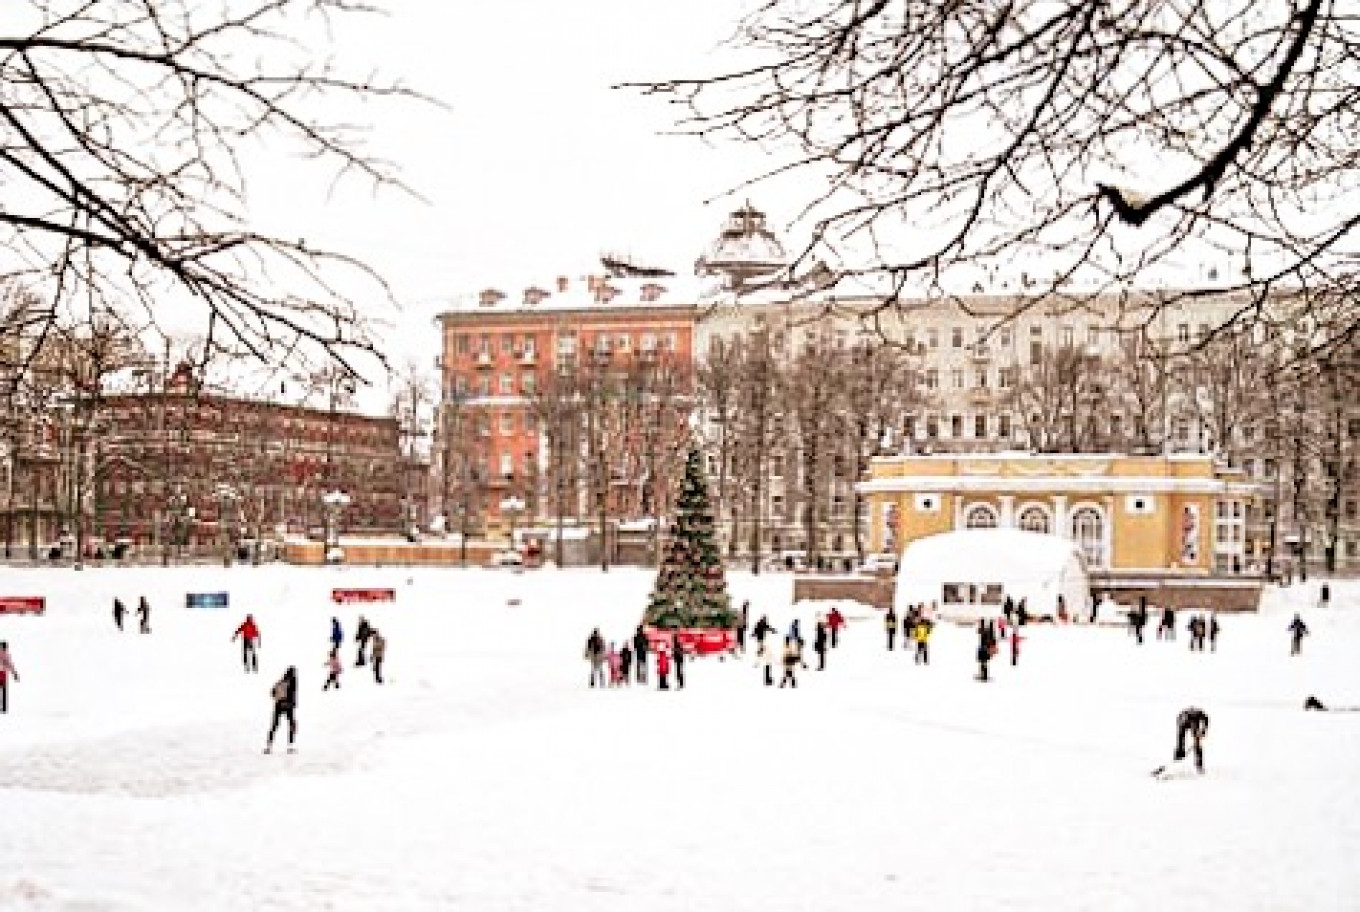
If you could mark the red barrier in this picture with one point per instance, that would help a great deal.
(23, 604)
(695, 641)
(347, 596)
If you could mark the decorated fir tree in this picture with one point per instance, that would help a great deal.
(690, 589)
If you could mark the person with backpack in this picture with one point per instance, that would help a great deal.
(284, 693)
(7, 671)
(250, 640)
(333, 666)
(361, 636)
(377, 653)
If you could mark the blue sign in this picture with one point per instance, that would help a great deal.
(205, 600)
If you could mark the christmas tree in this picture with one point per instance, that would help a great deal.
(690, 589)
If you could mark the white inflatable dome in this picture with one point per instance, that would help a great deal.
(969, 573)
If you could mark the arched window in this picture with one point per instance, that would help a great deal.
(1035, 519)
(1088, 530)
(979, 516)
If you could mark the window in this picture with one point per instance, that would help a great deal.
(1350, 510)
(528, 383)
(460, 387)
(483, 386)
(932, 427)
(484, 345)
(933, 337)
(507, 385)
(507, 423)
(507, 342)
(1068, 339)
(461, 344)
(668, 342)
(1003, 426)
(1036, 352)
(777, 465)
(648, 342)
(909, 427)
(956, 337)
(1034, 519)
(566, 345)
(623, 343)
(507, 464)
(1093, 336)
(932, 378)
(1183, 332)
(1005, 377)
(1182, 431)
(979, 516)
(980, 426)
(1203, 331)
(1353, 428)
(1088, 530)
(1116, 426)
(956, 376)
(956, 426)
(1004, 339)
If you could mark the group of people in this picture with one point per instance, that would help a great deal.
(143, 614)
(917, 626)
(372, 650)
(611, 666)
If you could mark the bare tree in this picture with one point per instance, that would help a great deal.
(1061, 400)
(123, 134)
(412, 401)
(1103, 138)
(718, 377)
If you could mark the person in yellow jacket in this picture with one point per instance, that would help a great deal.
(921, 634)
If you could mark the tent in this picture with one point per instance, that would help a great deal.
(969, 573)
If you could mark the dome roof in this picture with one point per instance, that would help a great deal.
(744, 249)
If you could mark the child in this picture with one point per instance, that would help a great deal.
(615, 666)
(333, 666)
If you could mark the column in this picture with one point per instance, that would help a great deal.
(1007, 518)
(958, 510)
(1061, 525)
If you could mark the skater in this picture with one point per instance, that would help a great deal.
(626, 663)
(921, 633)
(679, 652)
(144, 615)
(1197, 630)
(284, 693)
(1021, 612)
(362, 634)
(377, 652)
(819, 641)
(595, 655)
(1192, 722)
(834, 622)
(337, 633)
(7, 671)
(333, 666)
(1168, 625)
(1297, 631)
(793, 657)
(663, 667)
(1324, 596)
(119, 610)
(1015, 639)
(1213, 633)
(890, 626)
(250, 641)
(762, 629)
(1140, 618)
(1008, 610)
(640, 645)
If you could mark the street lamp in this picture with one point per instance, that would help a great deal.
(512, 506)
(334, 502)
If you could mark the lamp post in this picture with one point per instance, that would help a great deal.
(512, 506)
(334, 502)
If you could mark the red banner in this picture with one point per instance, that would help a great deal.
(694, 641)
(22, 604)
(347, 596)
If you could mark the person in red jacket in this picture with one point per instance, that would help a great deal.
(250, 640)
(834, 622)
(663, 666)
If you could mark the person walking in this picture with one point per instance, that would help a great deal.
(890, 626)
(640, 646)
(144, 615)
(819, 641)
(615, 665)
(921, 633)
(663, 667)
(679, 663)
(1140, 618)
(1213, 633)
(834, 622)
(362, 633)
(285, 693)
(249, 633)
(793, 657)
(333, 666)
(119, 611)
(743, 618)
(626, 662)
(595, 655)
(1297, 631)
(7, 671)
(762, 629)
(1324, 596)
(377, 653)
(337, 633)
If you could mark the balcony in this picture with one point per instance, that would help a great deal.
(980, 395)
(484, 359)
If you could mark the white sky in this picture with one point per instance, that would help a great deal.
(485, 775)
(537, 165)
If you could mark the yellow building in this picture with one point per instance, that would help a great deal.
(1178, 513)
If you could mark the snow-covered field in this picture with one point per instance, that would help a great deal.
(485, 775)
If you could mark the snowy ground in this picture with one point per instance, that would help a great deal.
(486, 776)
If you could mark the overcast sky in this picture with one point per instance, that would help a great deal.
(536, 165)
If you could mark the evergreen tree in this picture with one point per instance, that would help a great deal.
(690, 588)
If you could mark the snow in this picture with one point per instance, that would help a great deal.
(486, 775)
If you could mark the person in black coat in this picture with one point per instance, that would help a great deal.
(626, 663)
(1297, 631)
(119, 610)
(361, 635)
(144, 614)
(743, 619)
(640, 645)
(678, 653)
(1192, 723)
(819, 639)
(285, 693)
(890, 626)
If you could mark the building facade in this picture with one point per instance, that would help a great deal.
(1179, 513)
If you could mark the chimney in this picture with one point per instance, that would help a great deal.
(489, 297)
(561, 284)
